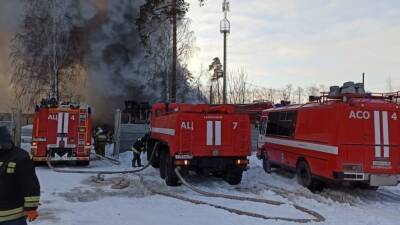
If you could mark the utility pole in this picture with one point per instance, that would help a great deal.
(225, 28)
(363, 79)
(174, 51)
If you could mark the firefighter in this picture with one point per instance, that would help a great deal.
(137, 149)
(19, 186)
(100, 141)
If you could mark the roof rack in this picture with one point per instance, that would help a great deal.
(325, 97)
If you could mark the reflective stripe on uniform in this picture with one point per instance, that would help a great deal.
(31, 201)
(12, 214)
(32, 198)
(31, 204)
(11, 167)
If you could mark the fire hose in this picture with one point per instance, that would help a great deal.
(100, 172)
(112, 160)
(317, 216)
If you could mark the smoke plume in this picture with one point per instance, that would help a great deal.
(117, 65)
(10, 14)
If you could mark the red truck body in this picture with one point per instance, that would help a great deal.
(254, 110)
(354, 139)
(64, 131)
(211, 139)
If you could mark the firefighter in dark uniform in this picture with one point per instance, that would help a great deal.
(19, 186)
(100, 141)
(137, 149)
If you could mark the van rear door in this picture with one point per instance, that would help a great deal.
(370, 136)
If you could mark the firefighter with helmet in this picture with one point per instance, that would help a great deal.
(19, 185)
(100, 141)
(137, 149)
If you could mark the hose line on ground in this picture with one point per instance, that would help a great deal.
(100, 172)
(317, 217)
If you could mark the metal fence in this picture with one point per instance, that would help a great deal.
(129, 133)
(125, 134)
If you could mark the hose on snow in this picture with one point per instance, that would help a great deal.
(100, 172)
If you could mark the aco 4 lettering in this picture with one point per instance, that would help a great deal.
(366, 115)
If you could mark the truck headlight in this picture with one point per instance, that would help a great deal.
(355, 168)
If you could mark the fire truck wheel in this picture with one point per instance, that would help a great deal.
(149, 149)
(171, 179)
(233, 175)
(155, 162)
(163, 157)
(304, 177)
(266, 164)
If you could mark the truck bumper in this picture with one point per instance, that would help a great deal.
(213, 163)
(371, 179)
(61, 159)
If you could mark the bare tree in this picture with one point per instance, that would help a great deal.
(287, 92)
(238, 92)
(299, 94)
(161, 57)
(46, 53)
(312, 90)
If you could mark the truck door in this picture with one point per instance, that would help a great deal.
(369, 137)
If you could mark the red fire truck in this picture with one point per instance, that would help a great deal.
(206, 139)
(62, 130)
(254, 110)
(350, 138)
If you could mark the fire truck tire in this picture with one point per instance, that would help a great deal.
(234, 175)
(155, 162)
(305, 178)
(266, 163)
(163, 157)
(149, 149)
(171, 179)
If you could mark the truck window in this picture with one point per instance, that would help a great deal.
(281, 123)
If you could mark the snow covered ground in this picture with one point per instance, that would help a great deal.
(75, 199)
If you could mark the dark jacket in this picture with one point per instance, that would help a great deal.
(138, 146)
(19, 185)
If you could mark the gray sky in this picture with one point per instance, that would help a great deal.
(304, 42)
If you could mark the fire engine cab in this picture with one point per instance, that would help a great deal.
(203, 138)
(347, 136)
(61, 131)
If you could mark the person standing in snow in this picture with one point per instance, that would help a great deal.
(137, 149)
(100, 141)
(19, 185)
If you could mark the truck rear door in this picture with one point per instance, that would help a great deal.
(370, 136)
